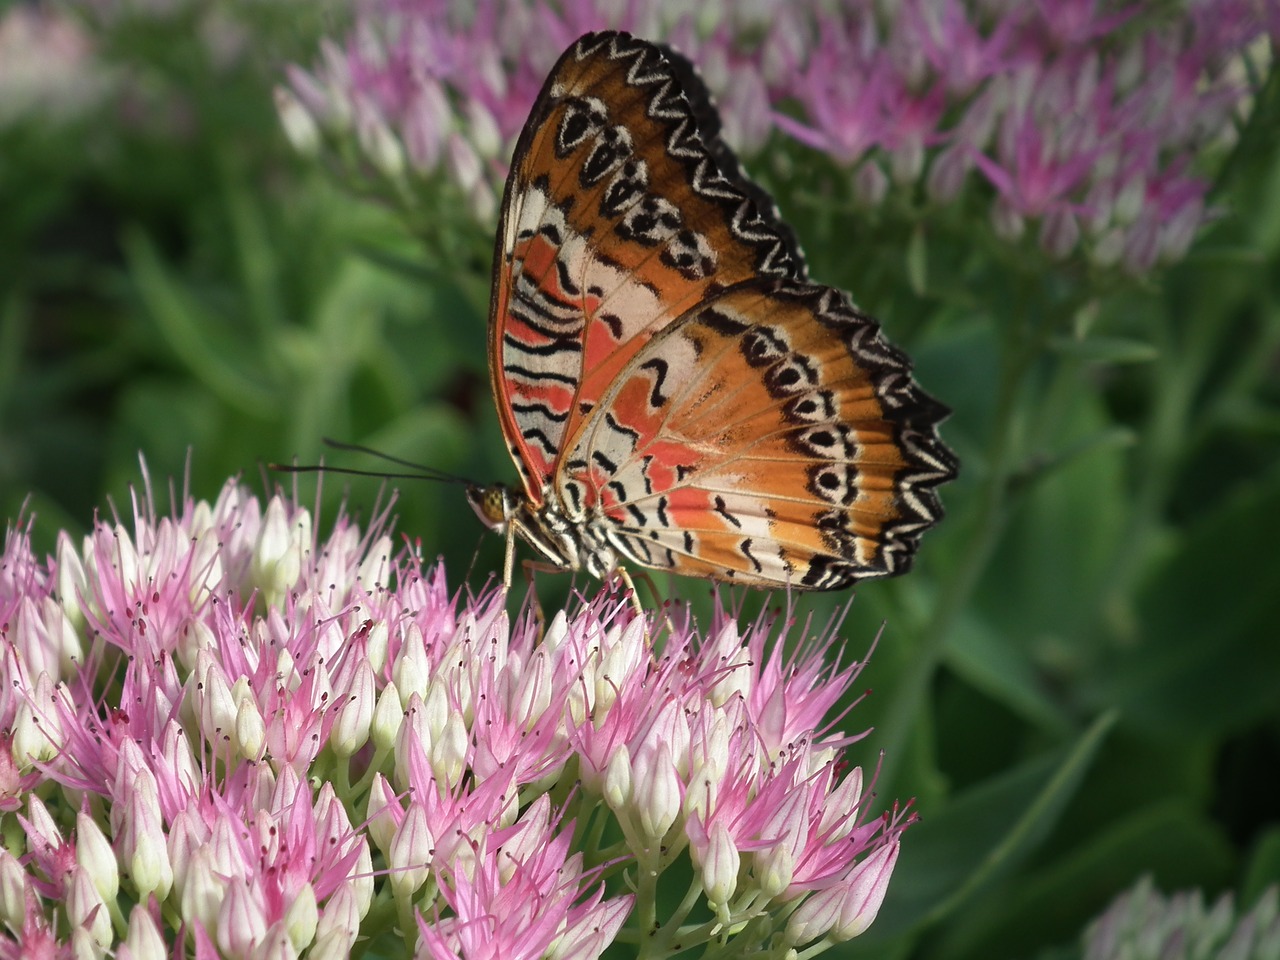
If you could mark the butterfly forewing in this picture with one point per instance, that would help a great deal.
(619, 216)
(771, 435)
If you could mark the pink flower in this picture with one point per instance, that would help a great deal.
(256, 709)
(515, 900)
(427, 90)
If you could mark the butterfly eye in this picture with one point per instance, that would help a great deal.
(492, 505)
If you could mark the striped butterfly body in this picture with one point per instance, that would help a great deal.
(674, 391)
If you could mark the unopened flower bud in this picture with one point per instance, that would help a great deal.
(301, 917)
(864, 892)
(94, 853)
(617, 779)
(774, 869)
(1059, 234)
(13, 891)
(71, 581)
(250, 729)
(144, 939)
(242, 922)
(37, 731)
(907, 161)
(1177, 234)
(870, 184)
(462, 162)
(1108, 248)
(427, 121)
(1129, 201)
(150, 868)
(340, 920)
(85, 907)
(202, 889)
(1142, 245)
(656, 791)
(277, 555)
(300, 127)
(351, 731)
(450, 751)
(388, 715)
(1007, 222)
(482, 128)
(720, 863)
(412, 671)
(410, 853)
(947, 174)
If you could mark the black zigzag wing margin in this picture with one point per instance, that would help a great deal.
(680, 100)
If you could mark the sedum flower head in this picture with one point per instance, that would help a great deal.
(1080, 125)
(1144, 924)
(238, 735)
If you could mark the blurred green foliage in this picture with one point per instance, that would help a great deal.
(1080, 682)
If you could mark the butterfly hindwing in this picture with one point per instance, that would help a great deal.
(770, 436)
(621, 213)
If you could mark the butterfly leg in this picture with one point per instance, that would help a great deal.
(509, 559)
(629, 584)
(529, 568)
(662, 613)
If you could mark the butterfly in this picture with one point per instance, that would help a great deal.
(673, 389)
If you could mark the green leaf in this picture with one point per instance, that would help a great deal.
(1208, 662)
(1174, 843)
(982, 836)
(1264, 866)
(186, 327)
(1105, 349)
(1003, 671)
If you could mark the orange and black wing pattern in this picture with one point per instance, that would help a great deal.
(771, 436)
(622, 212)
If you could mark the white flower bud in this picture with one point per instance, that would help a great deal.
(202, 889)
(301, 917)
(870, 183)
(94, 853)
(388, 715)
(300, 127)
(656, 791)
(144, 939)
(351, 731)
(85, 907)
(410, 853)
(617, 779)
(13, 891)
(720, 865)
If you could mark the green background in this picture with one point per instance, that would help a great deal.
(1079, 684)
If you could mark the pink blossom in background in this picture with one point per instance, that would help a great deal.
(1143, 922)
(49, 70)
(1084, 120)
(240, 736)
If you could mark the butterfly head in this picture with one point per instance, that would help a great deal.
(495, 504)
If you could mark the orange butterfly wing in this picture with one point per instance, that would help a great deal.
(770, 436)
(622, 211)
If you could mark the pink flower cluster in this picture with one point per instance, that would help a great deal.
(232, 738)
(1144, 923)
(1085, 118)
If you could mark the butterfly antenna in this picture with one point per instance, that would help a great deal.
(370, 451)
(352, 472)
(423, 472)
